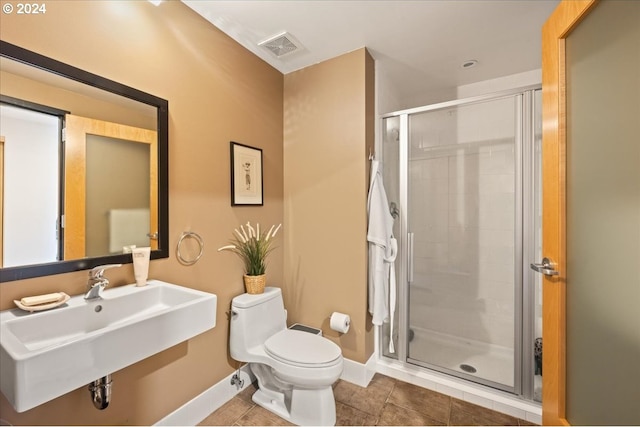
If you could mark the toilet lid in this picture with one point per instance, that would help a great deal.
(302, 349)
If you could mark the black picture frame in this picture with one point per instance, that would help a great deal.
(247, 187)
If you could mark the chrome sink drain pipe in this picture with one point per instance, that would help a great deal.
(101, 392)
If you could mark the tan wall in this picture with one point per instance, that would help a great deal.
(329, 125)
(217, 92)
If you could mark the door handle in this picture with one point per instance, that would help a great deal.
(547, 267)
(410, 257)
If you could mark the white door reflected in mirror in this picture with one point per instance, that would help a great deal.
(30, 186)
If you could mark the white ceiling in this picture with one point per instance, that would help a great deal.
(418, 45)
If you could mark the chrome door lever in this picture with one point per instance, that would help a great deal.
(410, 257)
(547, 267)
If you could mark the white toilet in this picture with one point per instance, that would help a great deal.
(295, 369)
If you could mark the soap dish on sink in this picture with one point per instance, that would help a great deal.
(41, 307)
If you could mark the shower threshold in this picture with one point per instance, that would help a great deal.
(470, 358)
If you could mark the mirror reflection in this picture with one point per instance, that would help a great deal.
(83, 170)
(31, 192)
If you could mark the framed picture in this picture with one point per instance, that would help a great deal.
(246, 175)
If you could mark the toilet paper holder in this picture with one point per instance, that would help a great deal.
(340, 322)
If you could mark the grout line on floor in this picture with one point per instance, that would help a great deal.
(245, 412)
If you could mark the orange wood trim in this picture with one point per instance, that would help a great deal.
(74, 187)
(1, 200)
(153, 190)
(565, 17)
(77, 129)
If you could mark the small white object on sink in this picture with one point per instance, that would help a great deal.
(42, 302)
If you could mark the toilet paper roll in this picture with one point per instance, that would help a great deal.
(340, 322)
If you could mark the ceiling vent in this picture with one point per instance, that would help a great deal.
(281, 44)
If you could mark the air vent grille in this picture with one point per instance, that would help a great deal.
(281, 45)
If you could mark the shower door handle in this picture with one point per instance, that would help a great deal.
(410, 257)
(547, 267)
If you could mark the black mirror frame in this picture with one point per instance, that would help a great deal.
(16, 53)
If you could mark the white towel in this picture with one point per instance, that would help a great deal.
(383, 249)
(128, 227)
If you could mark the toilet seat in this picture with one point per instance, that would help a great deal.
(302, 349)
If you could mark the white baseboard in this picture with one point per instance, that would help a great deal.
(358, 373)
(198, 408)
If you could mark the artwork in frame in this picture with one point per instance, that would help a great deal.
(246, 175)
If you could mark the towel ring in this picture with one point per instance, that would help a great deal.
(198, 239)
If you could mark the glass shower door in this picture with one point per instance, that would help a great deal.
(464, 230)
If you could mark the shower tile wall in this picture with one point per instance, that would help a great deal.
(462, 198)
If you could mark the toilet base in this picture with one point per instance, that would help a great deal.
(300, 406)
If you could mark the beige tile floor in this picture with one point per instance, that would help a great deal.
(385, 401)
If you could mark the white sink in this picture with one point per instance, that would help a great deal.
(50, 353)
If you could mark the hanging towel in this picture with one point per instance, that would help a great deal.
(383, 249)
(128, 227)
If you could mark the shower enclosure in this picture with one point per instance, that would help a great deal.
(462, 179)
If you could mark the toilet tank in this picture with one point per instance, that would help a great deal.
(254, 318)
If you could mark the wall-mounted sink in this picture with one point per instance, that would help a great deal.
(47, 354)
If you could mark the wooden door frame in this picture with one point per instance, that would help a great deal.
(76, 130)
(1, 200)
(554, 32)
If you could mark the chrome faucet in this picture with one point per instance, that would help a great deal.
(97, 282)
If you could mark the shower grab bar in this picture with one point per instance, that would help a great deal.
(410, 257)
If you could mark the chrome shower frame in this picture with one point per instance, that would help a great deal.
(524, 322)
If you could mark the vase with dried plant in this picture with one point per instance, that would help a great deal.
(253, 246)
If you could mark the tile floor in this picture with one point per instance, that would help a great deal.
(385, 401)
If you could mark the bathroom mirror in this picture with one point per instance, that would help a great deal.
(100, 173)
